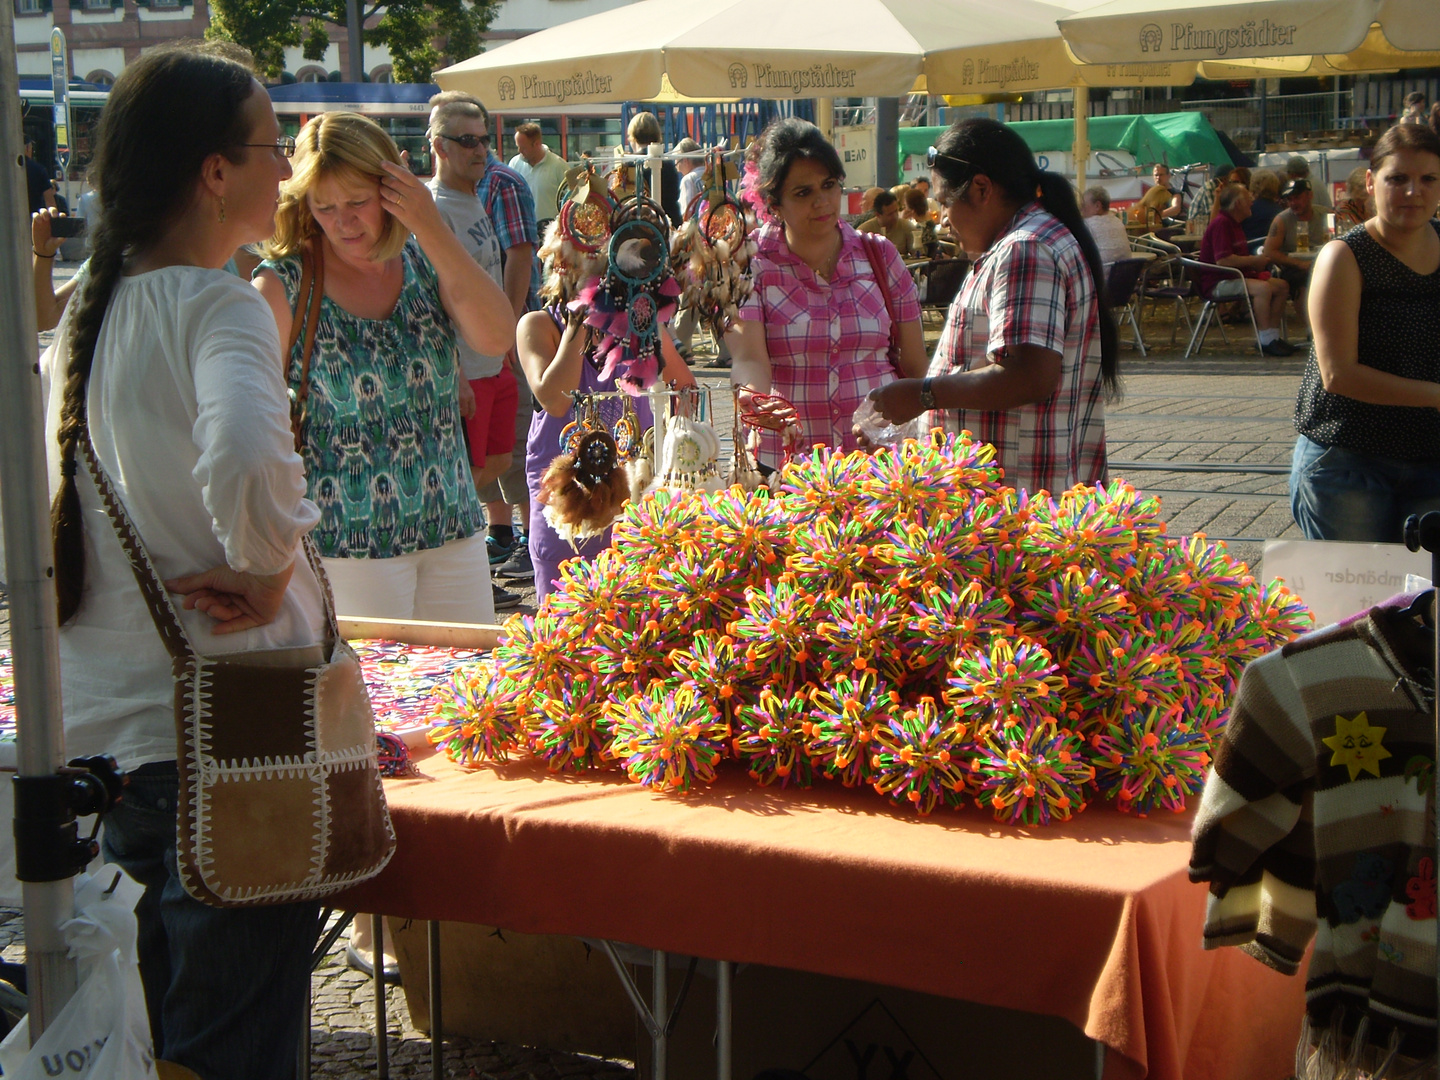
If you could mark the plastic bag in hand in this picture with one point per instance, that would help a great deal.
(877, 430)
(103, 1032)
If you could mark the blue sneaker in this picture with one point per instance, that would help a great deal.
(498, 551)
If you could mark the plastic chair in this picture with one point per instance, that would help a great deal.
(1165, 281)
(1122, 283)
(1211, 306)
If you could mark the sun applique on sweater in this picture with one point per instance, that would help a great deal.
(1358, 745)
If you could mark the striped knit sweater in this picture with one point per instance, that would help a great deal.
(1318, 819)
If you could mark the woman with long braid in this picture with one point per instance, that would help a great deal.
(1028, 352)
(174, 367)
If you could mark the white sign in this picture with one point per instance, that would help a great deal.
(1338, 580)
(857, 153)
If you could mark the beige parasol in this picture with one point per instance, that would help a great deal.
(1336, 36)
(792, 49)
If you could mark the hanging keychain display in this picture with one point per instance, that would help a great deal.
(711, 252)
(584, 488)
(628, 306)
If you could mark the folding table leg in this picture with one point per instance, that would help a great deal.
(437, 1038)
(660, 1006)
(382, 1047)
(724, 972)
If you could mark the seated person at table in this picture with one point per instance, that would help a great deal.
(1264, 204)
(1203, 208)
(889, 224)
(1297, 168)
(1159, 202)
(1224, 244)
(1296, 228)
(1105, 227)
(917, 216)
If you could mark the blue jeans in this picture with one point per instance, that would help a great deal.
(1339, 494)
(226, 987)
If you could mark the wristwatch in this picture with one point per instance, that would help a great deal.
(927, 395)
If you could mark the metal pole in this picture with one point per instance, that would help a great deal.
(437, 1039)
(887, 141)
(24, 506)
(660, 1008)
(724, 1041)
(655, 150)
(1263, 137)
(377, 956)
(354, 32)
(1081, 149)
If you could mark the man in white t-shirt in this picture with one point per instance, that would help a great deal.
(691, 167)
(490, 428)
(1107, 230)
(542, 168)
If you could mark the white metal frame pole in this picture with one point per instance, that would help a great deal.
(24, 507)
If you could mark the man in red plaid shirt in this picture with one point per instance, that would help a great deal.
(1028, 351)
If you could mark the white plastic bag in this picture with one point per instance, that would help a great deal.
(877, 430)
(103, 1033)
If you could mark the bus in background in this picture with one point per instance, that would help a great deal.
(37, 116)
(403, 110)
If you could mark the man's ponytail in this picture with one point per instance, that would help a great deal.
(1058, 198)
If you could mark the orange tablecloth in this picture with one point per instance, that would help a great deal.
(1093, 921)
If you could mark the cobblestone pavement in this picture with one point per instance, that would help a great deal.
(1186, 430)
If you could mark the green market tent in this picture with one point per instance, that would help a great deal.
(1178, 138)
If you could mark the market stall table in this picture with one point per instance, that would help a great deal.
(1093, 921)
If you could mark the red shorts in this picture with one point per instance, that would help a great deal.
(491, 430)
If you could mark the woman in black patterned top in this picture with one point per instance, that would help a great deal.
(1368, 414)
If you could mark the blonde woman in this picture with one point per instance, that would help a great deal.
(401, 529)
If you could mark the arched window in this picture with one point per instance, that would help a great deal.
(101, 78)
(312, 73)
(382, 74)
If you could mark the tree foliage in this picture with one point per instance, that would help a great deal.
(422, 35)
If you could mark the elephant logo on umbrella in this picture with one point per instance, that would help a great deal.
(739, 77)
(507, 89)
(1151, 37)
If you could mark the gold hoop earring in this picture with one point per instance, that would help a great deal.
(222, 209)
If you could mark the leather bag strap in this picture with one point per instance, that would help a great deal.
(882, 278)
(309, 296)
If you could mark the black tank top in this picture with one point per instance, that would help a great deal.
(1399, 334)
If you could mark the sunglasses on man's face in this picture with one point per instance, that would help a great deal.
(469, 142)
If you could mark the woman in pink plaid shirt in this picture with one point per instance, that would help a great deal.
(1029, 353)
(816, 328)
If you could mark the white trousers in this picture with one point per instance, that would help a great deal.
(450, 583)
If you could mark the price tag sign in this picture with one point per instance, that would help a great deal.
(1338, 580)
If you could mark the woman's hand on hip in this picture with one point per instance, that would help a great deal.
(236, 601)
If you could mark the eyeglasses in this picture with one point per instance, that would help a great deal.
(470, 142)
(284, 146)
(932, 155)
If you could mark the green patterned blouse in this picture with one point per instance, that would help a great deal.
(385, 457)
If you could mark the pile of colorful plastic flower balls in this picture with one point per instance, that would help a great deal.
(900, 620)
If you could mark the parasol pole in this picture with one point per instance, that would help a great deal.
(29, 573)
(1081, 149)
